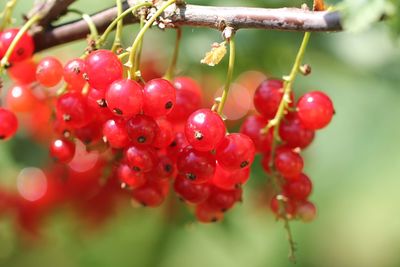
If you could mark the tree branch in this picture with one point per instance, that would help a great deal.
(51, 10)
(286, 19)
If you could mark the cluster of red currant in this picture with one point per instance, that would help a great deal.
(313, 111)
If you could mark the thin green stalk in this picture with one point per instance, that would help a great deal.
(139, 50)
(110, 27)
(229, 75)
(24, 29)
(140, 35)
(92, 27)
(7, 13)
(170, 73)
(118, 32)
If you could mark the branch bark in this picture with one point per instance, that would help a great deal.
(51, 10)
(285, 19)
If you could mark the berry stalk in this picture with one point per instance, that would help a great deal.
(139, 52)
(118, 32)
(170, 73)
(110, 27)
(6, 14)
(4, 61)
(140, 35)
(229, 75)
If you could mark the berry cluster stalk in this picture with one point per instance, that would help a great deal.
(118, 32)
(139, 37)
(6, 14)
(229, 75)
(170, 73)
(275, 122)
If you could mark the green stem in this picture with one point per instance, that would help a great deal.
(110, 27)
(229, 75)
(140, 46)
(24, 29)
(92, 27)
(118, 32)
(170, 73)
(140, 35)
(7, 13)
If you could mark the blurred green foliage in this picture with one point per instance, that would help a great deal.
(354, 163)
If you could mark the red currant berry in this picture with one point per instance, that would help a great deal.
(72, 108)
(306, 211)
(164, 169)
(124, 97)
(114, 131)
(159, 97)
(129, 177)
(267, 97)
(149, 195)
(299, 188)
(207, 214)
(293, 133)
(204, 129)
(190, 192)
(222, 199)
(315, 110)
(236, 151)
(228, 180)
(288, 163)
(141, 129)
(197, 166)
(164, 134)
(24, 48)
(62, 150)
(252, 127)
(286, 204)
(8, 124)
(73, 73)
(177, 144)
(21, 99)
(90, 133)
(188, 99)
(49, 71)
(23, 72)
(103, 67)
(141, 159)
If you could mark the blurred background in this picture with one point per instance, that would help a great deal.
(354, 163)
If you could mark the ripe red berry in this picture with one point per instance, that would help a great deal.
(141, 129)
(124, 97)
(149, 195)
(197, 166)
(103, 67)
(222, 199)
(178, 143)
(24, 48)
(74, 73)
(267, 97)
(315, 110)
(72, 108)
(228, 180)
(288, 163)
(165, 169)
(204, 129)
(8, 124)
(62, 150)
(159, 97)
(23, 72)
(164, 134)
(90, 133)
(190, 192)
(293, 133)
(141, 159)
(130, 177)
(49, 71)
(299, 188)
(252, 127)
(21, 99)
(286, 204)
(207, 214)
(236, 151)
(188, 99)
(306, 211)
(114, 130)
